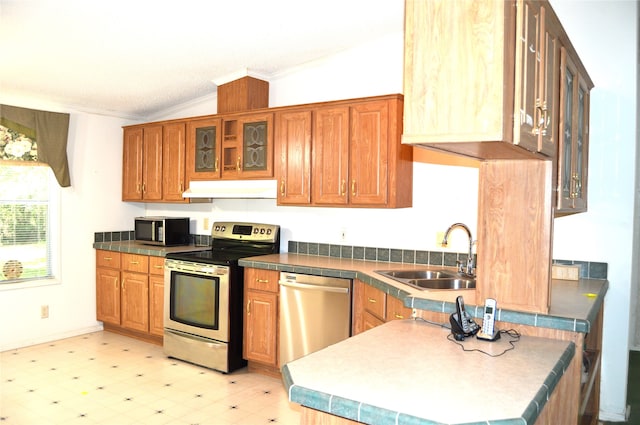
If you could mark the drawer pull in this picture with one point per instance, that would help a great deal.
(134, 262)
(372, 300)
(108, 258)
(158, 266)
(398, 316)
(262, 280)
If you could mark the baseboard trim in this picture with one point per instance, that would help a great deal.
(14, 345)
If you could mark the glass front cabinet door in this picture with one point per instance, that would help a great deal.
(574, 138)
(203, 149)
(247, 146)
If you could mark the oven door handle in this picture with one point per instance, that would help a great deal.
(296, 285)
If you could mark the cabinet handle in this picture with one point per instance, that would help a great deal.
(144, 187)
(138, 188)
(353, 187)
(116, 283)
(134, 262)
(238, 164)
(180, 189)
(262, 280)
(158, 267)
(372, 300)
(215, 167)
(123, 287)
(398, 316)
(282, 187)
(108, 258)
(248, 307)
(343, 188)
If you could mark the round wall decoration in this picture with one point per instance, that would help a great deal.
(12, 269)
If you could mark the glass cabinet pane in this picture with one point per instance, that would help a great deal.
(254, 146)
(567, 135)
(580, 145)
(205, 149)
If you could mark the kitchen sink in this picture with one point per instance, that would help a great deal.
(431, 279)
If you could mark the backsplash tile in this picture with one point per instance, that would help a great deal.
(588, 269)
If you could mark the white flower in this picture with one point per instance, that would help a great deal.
(19, 147)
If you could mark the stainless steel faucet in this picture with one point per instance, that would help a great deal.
(468, 269)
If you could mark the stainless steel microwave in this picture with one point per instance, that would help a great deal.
(165, 231)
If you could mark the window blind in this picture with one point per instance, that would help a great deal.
(25, 223)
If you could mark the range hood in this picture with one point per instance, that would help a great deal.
(233, 189)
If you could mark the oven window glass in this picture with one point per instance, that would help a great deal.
(195, 300)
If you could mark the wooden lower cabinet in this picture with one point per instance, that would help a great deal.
(373, 307)
(260, 345)
(129, 294)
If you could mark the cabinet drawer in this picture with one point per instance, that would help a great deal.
(156, 265)
(396, 309)
(135, 263)
(375, 301)
(263, 280)
(110, 259)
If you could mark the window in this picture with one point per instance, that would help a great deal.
(27, 205)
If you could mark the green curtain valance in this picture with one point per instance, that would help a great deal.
(49, 130)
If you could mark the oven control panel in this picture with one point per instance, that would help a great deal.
(245, 231)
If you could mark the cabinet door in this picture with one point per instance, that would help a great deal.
(203, 147)
(330, 156)
(135, 301)
(132, 164)
(293, 157)
(369, 154)
(173, 157)
(260, 338)
(152, 163)
(247, 146)
(574, 131)
(396, 309)
(156, 304)
(528, 65)
(550, 83)
(108, 295)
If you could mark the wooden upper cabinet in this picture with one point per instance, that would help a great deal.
(293, 157)
(247, 146)
(573, 154)
(357, 157)
(142, 163)
(369, 152)
(152, 163)
(132, 165)
(330, 157)
(173, 157)
(203, 147)
(487, 86)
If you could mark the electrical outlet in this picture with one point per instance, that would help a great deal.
(439, 238)
(343, 235)
(44, 311)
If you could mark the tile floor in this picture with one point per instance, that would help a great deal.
(105, 378)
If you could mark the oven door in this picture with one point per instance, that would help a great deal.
(196, 299)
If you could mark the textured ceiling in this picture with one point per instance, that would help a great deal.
(138, 57)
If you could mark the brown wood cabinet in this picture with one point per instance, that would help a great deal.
(373, 307)
(142, 163)
(247, 146)
(356, 158)
(204, 141)
(153, 167)
(156, 295)
(489, 87)
(126, 287)
(260, 347)
(293, 156)
(573, 156)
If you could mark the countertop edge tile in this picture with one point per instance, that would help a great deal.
(132, 247)
(348, 269)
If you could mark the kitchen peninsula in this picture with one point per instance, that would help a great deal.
(573, 323)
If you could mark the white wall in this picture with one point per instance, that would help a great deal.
(91, 204)
(602, 234)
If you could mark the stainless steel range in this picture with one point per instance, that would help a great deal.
(203, 295)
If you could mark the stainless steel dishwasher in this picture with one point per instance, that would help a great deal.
(315, 312)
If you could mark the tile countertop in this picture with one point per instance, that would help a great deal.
(574, 304)
(346, 379)
(133, 247)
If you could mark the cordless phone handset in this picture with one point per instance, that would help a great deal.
(488, 331)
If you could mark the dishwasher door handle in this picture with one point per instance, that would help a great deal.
(314, 287)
